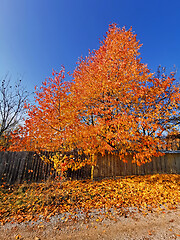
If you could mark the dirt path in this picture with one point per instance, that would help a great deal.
(162, 225)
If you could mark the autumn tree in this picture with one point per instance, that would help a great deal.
(121, 105)
(51, 125)
(113, 104)
(12, 100)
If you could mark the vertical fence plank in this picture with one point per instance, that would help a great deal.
(16, 164)
(2, 165)
(178, 164)
(174, 163)
(11, 164)
(21, 167)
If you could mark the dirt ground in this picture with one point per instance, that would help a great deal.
(156, 225)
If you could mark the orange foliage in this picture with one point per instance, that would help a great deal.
(122, 106)
(51, 122)
(113, 103)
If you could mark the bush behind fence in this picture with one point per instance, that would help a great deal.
(17, 167)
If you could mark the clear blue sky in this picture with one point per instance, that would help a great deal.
(37, 36)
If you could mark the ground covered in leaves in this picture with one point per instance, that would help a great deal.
(72, 199)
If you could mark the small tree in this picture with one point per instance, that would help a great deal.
(12, 99)
(51, 124)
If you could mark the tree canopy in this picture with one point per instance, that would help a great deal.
(113, 103)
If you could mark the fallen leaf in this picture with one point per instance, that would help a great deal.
(18, 236)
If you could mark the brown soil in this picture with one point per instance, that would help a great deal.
(157, 225)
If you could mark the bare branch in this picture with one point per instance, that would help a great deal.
(12, 99)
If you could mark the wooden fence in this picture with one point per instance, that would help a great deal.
(16, 167)
(23, 166)
(110, 165)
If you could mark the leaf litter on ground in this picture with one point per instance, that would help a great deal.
(86, 199)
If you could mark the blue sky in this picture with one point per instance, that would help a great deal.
(37, 36)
